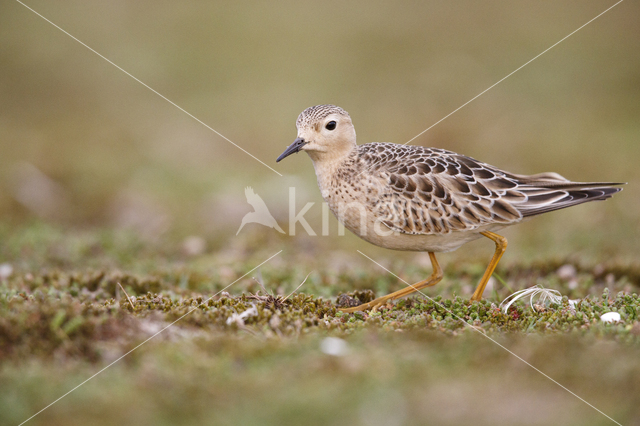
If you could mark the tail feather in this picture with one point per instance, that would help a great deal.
(546, 196)
(540, 177)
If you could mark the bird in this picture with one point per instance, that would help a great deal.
(415, 198)
(260, 214)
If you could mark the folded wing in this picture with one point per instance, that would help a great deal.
(433, 191)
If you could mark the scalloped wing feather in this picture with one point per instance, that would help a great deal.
(434, 191)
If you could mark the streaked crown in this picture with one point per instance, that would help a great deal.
(313, 114)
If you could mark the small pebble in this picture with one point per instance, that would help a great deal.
(598, 270)
(567, 272)
(610, 317)
(194, 246)
(334, 346)
(5, 271)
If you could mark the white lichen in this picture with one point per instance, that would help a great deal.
(238, 319)
(545, 297)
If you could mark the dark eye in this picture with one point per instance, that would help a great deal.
(330, 125)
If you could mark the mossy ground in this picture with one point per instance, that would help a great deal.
(404, 363)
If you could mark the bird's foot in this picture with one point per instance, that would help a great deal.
(373, 305)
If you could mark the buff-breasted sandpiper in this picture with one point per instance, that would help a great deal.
(424, 199)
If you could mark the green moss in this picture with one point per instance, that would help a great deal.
(245, 340)
(42, 315)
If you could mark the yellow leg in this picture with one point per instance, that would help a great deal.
(433, 279)
(501, 246)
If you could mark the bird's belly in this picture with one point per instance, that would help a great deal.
(423, 242)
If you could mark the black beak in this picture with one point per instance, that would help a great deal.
(293, 148)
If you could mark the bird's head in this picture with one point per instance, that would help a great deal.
(325, 132)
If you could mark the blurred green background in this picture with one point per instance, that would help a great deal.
(99, 174)
(82, 144)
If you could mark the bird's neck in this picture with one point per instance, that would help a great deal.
(326, 166)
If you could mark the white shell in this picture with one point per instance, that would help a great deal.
(610, 317)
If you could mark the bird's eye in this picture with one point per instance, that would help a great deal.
(330, 125)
